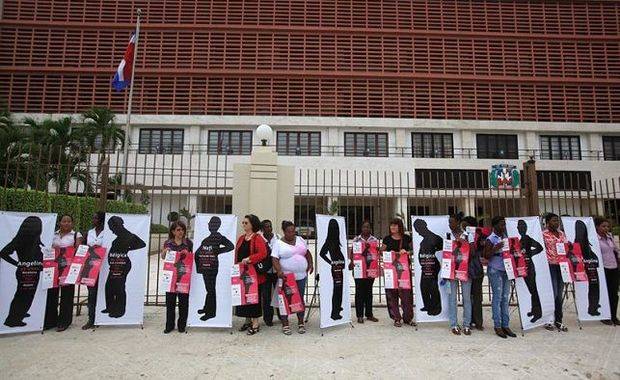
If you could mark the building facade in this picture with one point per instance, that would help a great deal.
(437, 91)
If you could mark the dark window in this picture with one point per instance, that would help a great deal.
(611, 148)
(564, 180)
(355, 216)
(560, 148)
(366, 144)
(299, 143)
(160, 141)
(451, 179)
(230, 142)
(432, 145)
(497, 146)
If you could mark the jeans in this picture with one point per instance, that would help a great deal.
(558, 290)
(500, 288)
(452, 302)
(301, 285)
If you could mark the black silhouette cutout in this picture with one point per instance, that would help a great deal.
(288, 292)
(247, 281)
(91, 257)
(206, 259)
(591, 262)
(180, 266)
(29, 264)
(458, 255)
(430, 267)
(120, 266)
(529, 249)
(61, 260)
(336, 260)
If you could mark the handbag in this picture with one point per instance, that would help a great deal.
(266, 264)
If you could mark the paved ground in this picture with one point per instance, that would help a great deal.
(365, 351)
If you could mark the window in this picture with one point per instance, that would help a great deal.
(154, 141)
(564, 180)
(560, 148)
(230, 142)
(432, 145)
(298, 143)
(366, 144)
(451, 179)
(611, 148)
(497, 146)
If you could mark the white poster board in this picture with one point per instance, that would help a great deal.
(334, 278)
(24, 239)
(431, 298)
(590, 296)
(122, 281)
(535, 291)
(214, 251)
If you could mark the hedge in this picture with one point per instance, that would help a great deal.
(81, 208)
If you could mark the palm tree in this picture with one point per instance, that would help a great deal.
(100, 131)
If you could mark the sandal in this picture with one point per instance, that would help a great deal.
(411, 323)
(286, 330)
(253, 330)
(245, 326)
(456, 330)
(301, 329)
(398, 323)
(561, 327)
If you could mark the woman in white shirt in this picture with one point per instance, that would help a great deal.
(291, 255)
(94, 239)
(65, 237)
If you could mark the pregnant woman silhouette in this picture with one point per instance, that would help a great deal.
(89, 262)
(529, 249)
(120, 266)
(430, 267)
(29, 264)
(591, 262)
(207, 264)
(336, 260)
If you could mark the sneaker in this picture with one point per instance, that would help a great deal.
(456, 330)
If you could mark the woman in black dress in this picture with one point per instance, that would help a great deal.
(333, 246)
(29, 264)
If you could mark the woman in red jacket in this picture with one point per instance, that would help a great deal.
(251, 249)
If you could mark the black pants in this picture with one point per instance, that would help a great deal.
(612, 276)
(535, 308)
(270, 282)
(115, 296)
(64, 318)
(430, 295)
(171, 302)
(476, 301)
(211, 298)
(22, 300)
(594, 291)
(363, 297)
(558, 291)
(92, 302)
(337, 279)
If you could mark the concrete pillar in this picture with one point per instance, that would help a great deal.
(401, 208)
(468, 141)
(531, 141)
(263, 187)
(192, 207)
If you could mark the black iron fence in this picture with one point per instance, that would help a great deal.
(171, 185)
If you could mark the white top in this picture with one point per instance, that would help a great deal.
(292, 257)
(66, 240)
(92, 239)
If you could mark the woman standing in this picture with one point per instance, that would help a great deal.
(177, 241)
(552, 236)
(291, 255)
(94, 238)
(397, 241)
(65, 237)
(611, 256)
(363, 286)
(251, 249)
(500, 285)
(457, 234)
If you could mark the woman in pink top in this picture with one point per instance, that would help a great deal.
(553, 235)
(611, 254)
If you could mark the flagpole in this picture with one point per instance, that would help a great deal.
(128, 124)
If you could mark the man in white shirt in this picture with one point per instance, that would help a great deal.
(270, 238)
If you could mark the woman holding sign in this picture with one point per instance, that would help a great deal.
(500, 285)
(291, 255)
(94, 238)
(251, 249)
(178, 242)
(457, 234)
(399, 243)
(611, 256)
(363, 286)
(65, 237)
(552, 236)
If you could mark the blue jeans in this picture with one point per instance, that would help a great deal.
(500, 287)
(452, 302)
(301, 285)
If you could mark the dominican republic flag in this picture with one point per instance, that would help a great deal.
(122, 77)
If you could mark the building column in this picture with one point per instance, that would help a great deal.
(401, 208)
